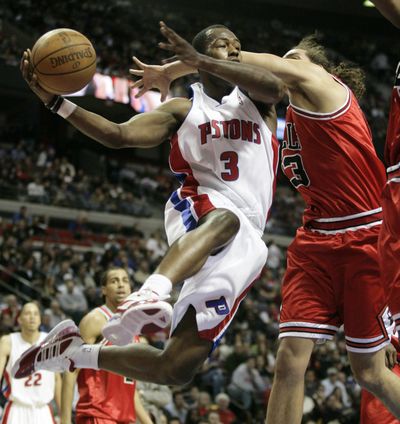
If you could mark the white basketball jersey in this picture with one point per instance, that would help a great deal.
(36, 390)
(226, 147)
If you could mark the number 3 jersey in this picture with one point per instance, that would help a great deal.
(330, 159)
(35, 390)
(222, 150)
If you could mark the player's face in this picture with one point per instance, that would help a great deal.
(223, 44)
(29, 318)
(118, 286)
(297, 54)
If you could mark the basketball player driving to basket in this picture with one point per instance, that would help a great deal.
(224, 153)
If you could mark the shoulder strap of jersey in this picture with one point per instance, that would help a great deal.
(106, 311)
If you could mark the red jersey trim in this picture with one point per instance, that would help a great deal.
(105, 311)
(325, 116)
(6, 412)
(189, 190)
(214, 333)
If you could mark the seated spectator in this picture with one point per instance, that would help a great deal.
(73, 302)
(54, 314)
(246, 387)
(226, 416)
(178, 407)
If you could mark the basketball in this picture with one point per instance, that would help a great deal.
(64, 61)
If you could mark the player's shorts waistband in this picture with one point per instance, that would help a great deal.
(393, 173)
(341, 224)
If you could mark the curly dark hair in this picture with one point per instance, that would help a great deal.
(346, 71)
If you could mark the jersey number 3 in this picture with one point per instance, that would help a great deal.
(300, 177)
(230, 160)
(34, 380)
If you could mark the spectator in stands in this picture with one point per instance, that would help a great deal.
(332, 383)
(54, 314)
(225, 414)
(73, 302)
(247, 386)
(10, 312)
(178, 407)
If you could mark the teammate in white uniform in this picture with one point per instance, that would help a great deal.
(28, 400)
(225, 155)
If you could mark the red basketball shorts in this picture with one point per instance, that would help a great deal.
(334, 279)
(389, 242)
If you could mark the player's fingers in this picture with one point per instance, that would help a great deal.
(137, 84)
(138, 63)
(21, 62)
(163, 96)
(141, 92)
(137, 72)
(166, 46)
(170, 59)
(25, 69)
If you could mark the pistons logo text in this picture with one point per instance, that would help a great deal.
(233, 129)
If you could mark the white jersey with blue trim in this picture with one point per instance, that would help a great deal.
(35, 390)
(228, 149)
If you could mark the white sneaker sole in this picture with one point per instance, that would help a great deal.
(136, 321)
(26, 364)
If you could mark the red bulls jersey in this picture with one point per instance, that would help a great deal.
(103, 394)
(392, 148)
(330, 159)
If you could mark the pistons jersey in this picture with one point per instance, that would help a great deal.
(226, 148)
(330, 159)
(392, 148)
(105, 395)
(35, 390)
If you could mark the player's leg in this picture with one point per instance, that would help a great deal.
(189, 253)
(308, 314)
(371, 373)
(175, 365)
(364, 309)
(185, 258)
(287, 395)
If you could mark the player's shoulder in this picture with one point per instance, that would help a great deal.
(5, 344)
(92, 324)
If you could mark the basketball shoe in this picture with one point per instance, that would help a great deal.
(53, 353)
(143, 312)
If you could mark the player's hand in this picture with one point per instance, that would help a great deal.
(183, 50)
(152, 76)
(30, 77)
(390, 356)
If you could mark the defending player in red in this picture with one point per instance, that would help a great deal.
(104, 397)
(333, 273)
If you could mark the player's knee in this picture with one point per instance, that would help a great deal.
(225, 225)
(367, 377)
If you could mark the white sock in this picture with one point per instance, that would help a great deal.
(158, 283)
(87, 356)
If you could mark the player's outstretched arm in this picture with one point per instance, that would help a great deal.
(263, 85)
(144, 130)
(390, 9)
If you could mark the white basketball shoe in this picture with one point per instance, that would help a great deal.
(144, 312)
(53, 353)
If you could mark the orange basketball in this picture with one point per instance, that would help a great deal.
(64, 61)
